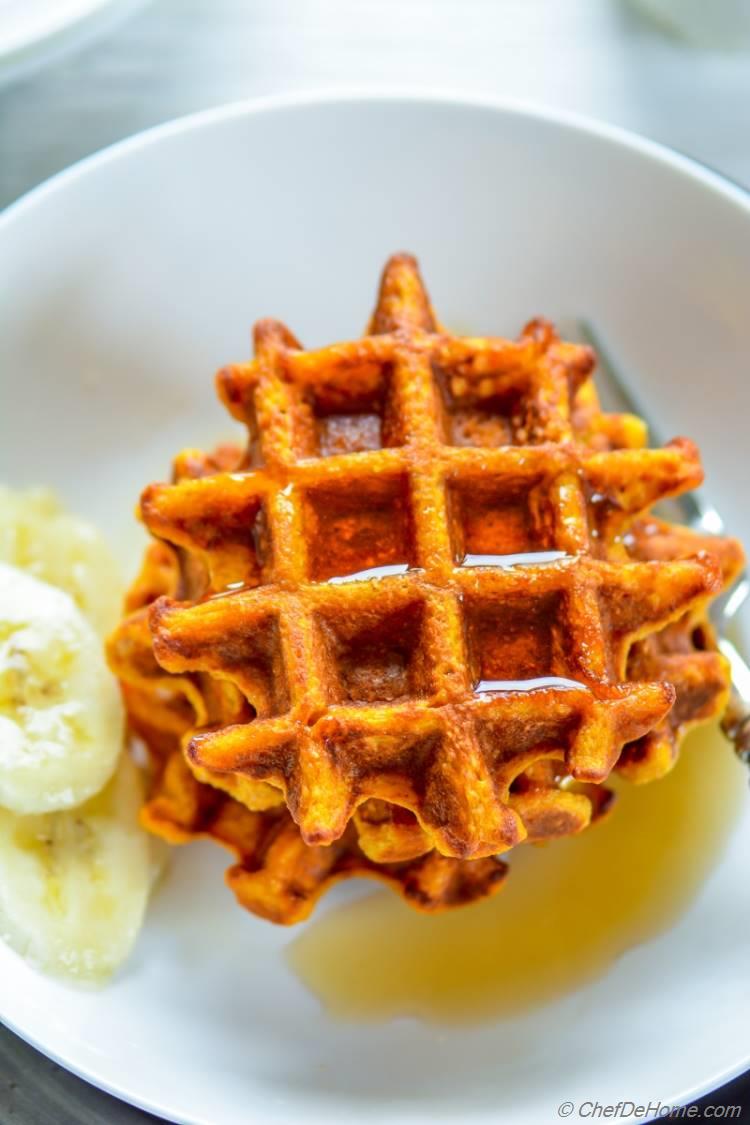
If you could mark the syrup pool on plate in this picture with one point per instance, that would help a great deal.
(568, 910)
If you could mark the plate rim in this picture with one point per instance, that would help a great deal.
(664, 154)
(337, 95)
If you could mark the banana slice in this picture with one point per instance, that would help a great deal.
(75, 884)
(39, 537)
(61, 719)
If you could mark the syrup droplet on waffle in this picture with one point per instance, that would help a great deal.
(392, 570)
(526, 558)
(568, 911)
(490, 687)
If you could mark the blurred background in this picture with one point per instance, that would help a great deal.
(76, 75)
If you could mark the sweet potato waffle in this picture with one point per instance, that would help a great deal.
(683, 653)
(521, 627)
(279, 877)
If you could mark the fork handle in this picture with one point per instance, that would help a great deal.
(736, 722)
(736, 725)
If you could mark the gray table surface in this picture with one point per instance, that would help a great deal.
(171, 57)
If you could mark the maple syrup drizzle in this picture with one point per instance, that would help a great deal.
(526, 558)
(561, 683)
(568, 911)
(389, 571)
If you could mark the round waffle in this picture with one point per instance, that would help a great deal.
(422, 598)
(282, 883)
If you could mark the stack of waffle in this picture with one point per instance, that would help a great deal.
(419, 618)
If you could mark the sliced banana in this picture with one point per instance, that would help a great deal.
(61, 717)
(39, 537)
(75, 884)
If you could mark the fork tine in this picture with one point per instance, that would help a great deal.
(693, 506)
(611, 380)
(702, 516)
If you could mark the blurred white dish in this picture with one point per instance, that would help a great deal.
(34, 31)
(129, 279)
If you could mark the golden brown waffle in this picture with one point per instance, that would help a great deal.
(277, 875)
(684, 653)
(163, 707)
(434, 689)
(281, 878)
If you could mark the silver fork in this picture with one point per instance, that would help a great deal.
(698, 513)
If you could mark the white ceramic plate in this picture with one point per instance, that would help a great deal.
(126, 282)
(34, 31)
